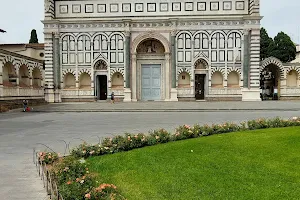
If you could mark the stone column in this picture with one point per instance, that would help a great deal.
(127, 90)
(173, 66)
(56, 68)
(167, 84)
(246, 59)
(134, 77)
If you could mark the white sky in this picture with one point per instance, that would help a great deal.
(19, 17)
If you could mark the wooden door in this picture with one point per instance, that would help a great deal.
(199, 86)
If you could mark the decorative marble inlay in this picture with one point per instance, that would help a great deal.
(151, 7)
(227, 5)
(214, 5)
(240, 5)
(139, 7)
(63, 9)
(101, 8)
(189, 6)
(76, 8)
(114, 7)
(201, 6)
(164, 7)
(176, 6)
(89, 8)
(126, 7)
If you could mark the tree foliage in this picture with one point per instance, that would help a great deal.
(282, 47)
(266, 44)
(285, 49)
(33, 38)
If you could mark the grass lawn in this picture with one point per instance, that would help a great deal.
(262, 164)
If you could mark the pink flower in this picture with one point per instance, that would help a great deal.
(187, 126)
(88, 195)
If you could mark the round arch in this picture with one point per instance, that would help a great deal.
(275, 61)
(201, 61)
(139, 39)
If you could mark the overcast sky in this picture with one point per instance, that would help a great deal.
(19, 17)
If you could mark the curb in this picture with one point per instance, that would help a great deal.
(163, 110)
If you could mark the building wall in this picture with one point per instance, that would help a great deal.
(21, 77)
(223, 34)
(35, 51)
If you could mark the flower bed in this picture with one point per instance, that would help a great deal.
(75, 182)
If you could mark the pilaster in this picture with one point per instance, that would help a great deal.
(173, 58)
(246, 59)
(252, 93)
(49, 70)
(134, 78)
(167, 71)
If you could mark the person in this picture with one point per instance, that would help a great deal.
(25, 104)
(112, 97)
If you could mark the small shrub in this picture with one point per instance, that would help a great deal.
(159, 136)
(184, 132)
(47, 157)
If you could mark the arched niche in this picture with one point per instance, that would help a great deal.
(292, 77)
(184, 80)
(24, 80)
(117, 81)
(69, 81)
(36, 78)
(201, 64)
(233, 80)
(85, 81)
(9, 75)
(150, 46)
(217, 80)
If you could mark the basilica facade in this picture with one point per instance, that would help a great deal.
(152, 50)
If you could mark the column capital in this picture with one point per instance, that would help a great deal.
(246, 31)
(127, 33)
(56, 35)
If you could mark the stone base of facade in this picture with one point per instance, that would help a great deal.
(49, 95)
(127, 95)
(223, 98)
(78, 99)
(57, 96)
(289, 98)
(251, 94)
(174, 95)
(186, 99)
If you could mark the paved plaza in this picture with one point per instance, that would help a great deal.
(170, 106)
(20, 133)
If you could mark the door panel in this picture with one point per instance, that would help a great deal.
(199, 86)
(102, 87)
(151, 82)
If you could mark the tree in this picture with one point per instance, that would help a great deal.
(285, 49)
(33, 37)
(267, 45)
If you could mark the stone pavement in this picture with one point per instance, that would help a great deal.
(21, 132)
(170, 106)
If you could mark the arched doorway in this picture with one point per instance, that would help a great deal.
(151, 72)
(150, 68)
(201, 70)
(101, 81)
(270, 78)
